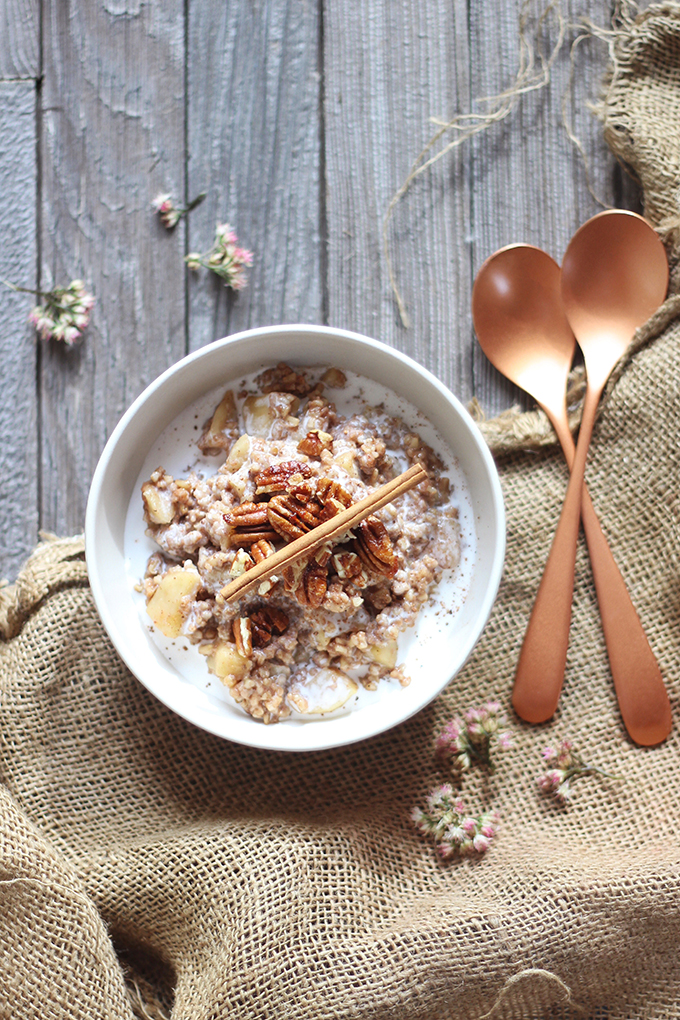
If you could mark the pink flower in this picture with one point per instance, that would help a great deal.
(64, 314)
(170, 214)
(470, 740)
(454, 831)
(226, 258)
(565, 764)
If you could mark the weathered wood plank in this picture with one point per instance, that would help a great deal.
(112, 137)
(18, 407)
(388, 69)
(529, 183)
(254, 147)
(19, 39)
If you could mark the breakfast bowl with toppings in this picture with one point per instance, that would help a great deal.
(295, 537)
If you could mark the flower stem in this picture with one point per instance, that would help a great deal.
(196, 201)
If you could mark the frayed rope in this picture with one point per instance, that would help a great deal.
(533, 73)
(531, 972)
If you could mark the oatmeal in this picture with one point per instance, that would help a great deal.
(287, 459)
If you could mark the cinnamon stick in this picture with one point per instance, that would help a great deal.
(307, 544)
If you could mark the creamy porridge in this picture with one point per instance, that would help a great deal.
(280, 453)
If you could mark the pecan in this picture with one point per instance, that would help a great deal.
(252, 537)
(243, 636)
(315, 442)
(291, 518)
(315, 580)
(375, 548)
(247, 515)
(242, 562)
(304, 491)
(333, 497)
(265, 622)
(249, 524)
(283, 379)
(261, 550)
(349, 567)
(276, 478)
(307, 583)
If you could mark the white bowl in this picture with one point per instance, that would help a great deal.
(444, 639)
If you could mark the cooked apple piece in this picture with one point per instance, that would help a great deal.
(324, 692)
(226, 662)
(158, 505)
(346, 460)
(258, 416)
(238, 454)
(222, 430)
(165, 606)
(385, 654)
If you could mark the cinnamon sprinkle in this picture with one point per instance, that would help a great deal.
(344, 521)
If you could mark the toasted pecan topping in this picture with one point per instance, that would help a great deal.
(265, 623)
(243, 636)
(291, 518)
(375, 548)
(283, 379)
(277, 477)
(261, 550)
(315, 442)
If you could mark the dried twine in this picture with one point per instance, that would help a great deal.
(533, 74)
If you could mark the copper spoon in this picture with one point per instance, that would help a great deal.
(522, 328)
(614, 276)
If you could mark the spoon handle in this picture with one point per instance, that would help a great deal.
(643, 700)
(542, 660)
(639, 686)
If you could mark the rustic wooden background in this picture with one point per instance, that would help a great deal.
(300, 119)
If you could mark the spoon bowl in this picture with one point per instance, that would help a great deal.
(614, 277)
(521, 325)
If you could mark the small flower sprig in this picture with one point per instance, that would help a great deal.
(64, 313)
(563, 765)
(171, 214)
(226, 258)
(470, 740)
(455, 832)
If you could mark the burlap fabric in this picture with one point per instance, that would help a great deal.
(148, 869)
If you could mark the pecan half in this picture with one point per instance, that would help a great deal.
(307, 583)
(375, 548)
(333, 497)
(243, 636)
(249, 524)
(277, 477)
(315, 581)
(315, 442)
(261, 550)
(349, 567)
(291, 518)
(266, 622)
(283, 379)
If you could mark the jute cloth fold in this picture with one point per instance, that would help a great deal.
(149, 869)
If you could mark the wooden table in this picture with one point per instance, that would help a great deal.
(300, 119)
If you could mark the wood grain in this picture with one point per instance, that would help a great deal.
(19, 39)
(112, 137)
(388, 69)
(529, 182)
(300, 118)
(18, 407)
(254, 139)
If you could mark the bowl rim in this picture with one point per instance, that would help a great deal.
(100, 476)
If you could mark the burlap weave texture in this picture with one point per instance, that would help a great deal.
(149, 869)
